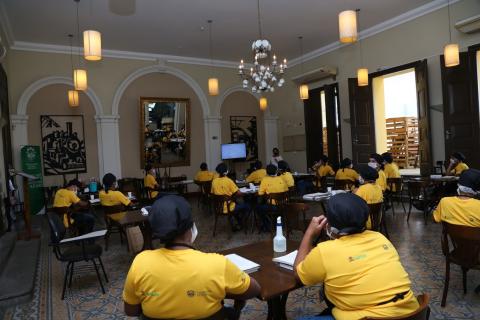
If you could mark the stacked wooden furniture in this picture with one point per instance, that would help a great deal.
(402, 140)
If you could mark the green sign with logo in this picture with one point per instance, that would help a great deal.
(32, 164)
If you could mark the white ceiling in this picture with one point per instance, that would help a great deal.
(173, 27)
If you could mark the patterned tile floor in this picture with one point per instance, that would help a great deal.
(418, 245)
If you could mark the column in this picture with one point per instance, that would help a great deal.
(213, 130)
(19, 132)
(108, 145)
(271, 135)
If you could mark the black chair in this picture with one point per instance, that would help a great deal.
(112, 225)
(73, 250)
(394, 192)
(377, 218)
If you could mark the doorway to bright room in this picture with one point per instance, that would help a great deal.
(396, 118)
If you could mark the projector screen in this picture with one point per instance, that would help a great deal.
(234, 151)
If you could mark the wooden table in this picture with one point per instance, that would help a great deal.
(136, 218)
(276, 282)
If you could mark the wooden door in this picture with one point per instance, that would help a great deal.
(362, 121)
(460, 114)
(332, 114)
(423, 105)
(313, 126)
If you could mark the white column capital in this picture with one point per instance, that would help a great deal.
(212, 119)
(105, 119)
(16, 119)
(270, 118)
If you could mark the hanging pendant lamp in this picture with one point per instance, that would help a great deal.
(212, 82)
(73, 98)
(303, 89)
(451, 51)
(92, 45)
(362, 72)
(79, 73)
(263, 103)
(347, 26)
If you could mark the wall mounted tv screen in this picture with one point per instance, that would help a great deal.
(234, 151)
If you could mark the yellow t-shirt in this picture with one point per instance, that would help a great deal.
(459, 168)
(382, 180)
(189, 284)
(65, 198)
(347, 174)
(371, 193)
(113, 198)
(464, 212)
(224, 186)
(256, 176)
(325, 170)
(359, 271)
(288, 179)
(150, 182)
(391, 170)
(272, 185)
(203, 176)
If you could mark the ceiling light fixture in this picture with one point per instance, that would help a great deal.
(347, 26)
(362, 72)
(212, 82)
(263, 103)
(92, 45)
(451, 51)
(266, 72)
(73, 99)
(79, 74)
(303, 87)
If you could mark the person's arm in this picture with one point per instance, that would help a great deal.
(450, 168)
(437, 213)
(238, 284)
(313, 231)
(132, 310)
(252, 292)
(131, 303)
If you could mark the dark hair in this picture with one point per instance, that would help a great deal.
(378, 158)
(148, 167)
(283, 165)
(108, 181)
(345, 163)
(203, 166)
(221, 169)
(275, 149)
(271, 170)
(324, 158)
(459, 156)
(73, 182)
(258, 164)
(387, 156)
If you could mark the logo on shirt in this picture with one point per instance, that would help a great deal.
(193, 293)
(356, 258)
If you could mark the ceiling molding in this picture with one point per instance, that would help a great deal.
(50, 48)
(378, 28)
(5, 26)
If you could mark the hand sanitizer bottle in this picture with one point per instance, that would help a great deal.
(279, 241)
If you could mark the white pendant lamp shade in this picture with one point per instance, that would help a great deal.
(452, 55)
(73, 100)
(303, 92)
(92, 45)
(213, 86)
(263, 104)
(347, 26)
(362, 76)
(80, 79)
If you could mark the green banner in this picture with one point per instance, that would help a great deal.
(32, 164)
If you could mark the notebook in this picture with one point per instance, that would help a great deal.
(286, 261)
(243, 264)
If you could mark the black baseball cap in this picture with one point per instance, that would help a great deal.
(347, 212)
(169, 217)
(459, 156)
(470, 178)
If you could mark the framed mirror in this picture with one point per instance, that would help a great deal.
(165, 132)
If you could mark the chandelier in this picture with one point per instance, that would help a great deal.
(266, 73)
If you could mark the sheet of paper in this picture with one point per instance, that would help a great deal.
(287, 259)
(94, 234)
(242, 263)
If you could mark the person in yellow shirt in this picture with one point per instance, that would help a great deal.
(190, 284)
(258, 173)
(391, 168)
(369, 190)
(150, 182)
(204, 175)
(457, 164)
(224, 186)
(284, 172)
(360, 269)
(462, 209)
(272, 183)
(376, 162)
(322, 169)
(346, 171)
(110, 196)
(67, 197)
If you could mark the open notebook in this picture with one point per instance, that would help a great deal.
(286, 261)
(243, 264)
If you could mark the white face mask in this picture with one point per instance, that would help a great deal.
(194, 232)
(452, 161)
(360, 180)
(373, 165)
(351, 166)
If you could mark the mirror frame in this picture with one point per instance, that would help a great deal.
(182, 163)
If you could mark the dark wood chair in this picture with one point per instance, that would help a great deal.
(74, 251)
(278, 201)
(61, 212)
(205, 195)
(133, 185)
(320, 183)
(112, 225)
(418, 197)
(465, 252)
(422, 313)
(394, 192)
(296, 217)
(377, 218)
(344, 184)
(219, 202)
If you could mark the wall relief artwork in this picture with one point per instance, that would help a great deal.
(244, 129)
(63, 144)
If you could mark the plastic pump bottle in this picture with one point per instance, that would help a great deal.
(279, 241)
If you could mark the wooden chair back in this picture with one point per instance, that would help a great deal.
(422, 313)
(204, 186)
(219, 202)
(376, 215)
(416, 189)
(280, 199)
(295, 215)
(107, 210)
(466, 245)
(344, 184)
(132, 185)
(395, 184)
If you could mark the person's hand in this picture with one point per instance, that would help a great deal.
(316, 226)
